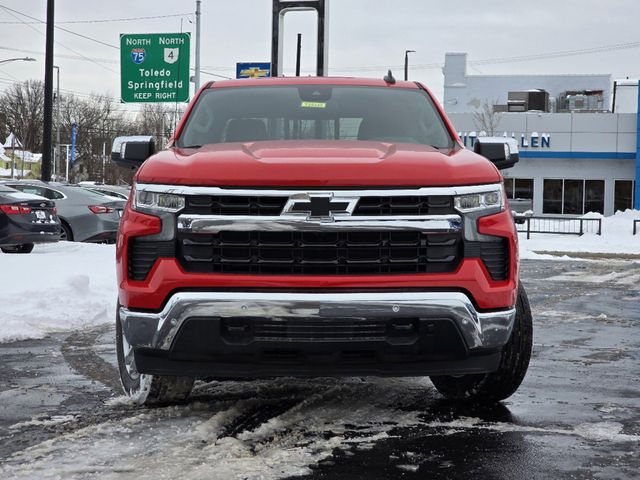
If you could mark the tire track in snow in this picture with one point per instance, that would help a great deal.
(78, 352)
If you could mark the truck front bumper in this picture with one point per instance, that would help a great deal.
(222, 334)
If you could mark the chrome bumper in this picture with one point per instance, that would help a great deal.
(157, 330)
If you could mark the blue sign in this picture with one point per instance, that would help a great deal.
(253, 70)
(74, 134)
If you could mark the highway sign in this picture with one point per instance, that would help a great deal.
(154, 67)
(253, 69)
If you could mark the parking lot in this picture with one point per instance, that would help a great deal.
(577, 414)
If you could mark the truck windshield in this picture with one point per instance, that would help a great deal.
(315, 112)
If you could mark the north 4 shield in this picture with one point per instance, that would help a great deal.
(171, 55)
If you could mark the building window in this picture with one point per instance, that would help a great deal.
(552, 196)
(572, 196)
(594, 196)
(520, 193)
(623, 195)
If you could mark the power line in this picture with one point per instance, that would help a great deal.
(559, 54)
(108, 20)
(63, 46)
(213, 74)
(9, 10)
(59, 55)
(502, 60)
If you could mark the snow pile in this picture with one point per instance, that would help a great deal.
(57, 287)
(617, 237)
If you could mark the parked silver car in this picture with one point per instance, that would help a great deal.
(107, 190)
(85, 216)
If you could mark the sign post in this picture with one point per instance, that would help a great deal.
(154, 67)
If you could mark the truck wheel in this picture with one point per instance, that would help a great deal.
(23, 248)
(147, 389)
(501, 384)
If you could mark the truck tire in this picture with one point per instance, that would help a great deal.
(148, 390)
(496, 386)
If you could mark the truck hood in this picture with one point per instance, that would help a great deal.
(317, 164)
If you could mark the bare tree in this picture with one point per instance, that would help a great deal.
(22, 112)
(97, 124)
(158, 120)
(487, 119)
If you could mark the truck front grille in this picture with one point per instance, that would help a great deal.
(380, 206)
(234, 205)
(319, 253)
(273, 206)
(276, 253)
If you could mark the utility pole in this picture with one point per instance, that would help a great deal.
(197, 75)
(406, 63)
(48, 95)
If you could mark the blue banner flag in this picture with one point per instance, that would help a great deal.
(74, 134)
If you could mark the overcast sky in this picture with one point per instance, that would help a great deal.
(366, 37)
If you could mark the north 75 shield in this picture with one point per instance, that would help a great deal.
(137, 55)
(171, 55)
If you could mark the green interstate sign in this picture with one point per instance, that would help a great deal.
(154, 67)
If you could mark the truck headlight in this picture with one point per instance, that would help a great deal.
(166, 202)
(474, 202)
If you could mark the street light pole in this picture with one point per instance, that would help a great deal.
(406, 63)
(21, 59)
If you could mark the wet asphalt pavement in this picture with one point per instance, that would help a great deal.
(576, 416)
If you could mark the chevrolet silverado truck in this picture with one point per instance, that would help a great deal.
(315, 227)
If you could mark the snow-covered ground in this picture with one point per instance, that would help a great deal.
(64, 286)
(302, 422)
(57, 287)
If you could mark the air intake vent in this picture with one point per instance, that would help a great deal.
(142, 255)
(495, 256)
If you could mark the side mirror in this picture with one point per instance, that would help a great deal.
(131, 152)
(501, 151)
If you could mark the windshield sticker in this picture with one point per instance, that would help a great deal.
(314, 105)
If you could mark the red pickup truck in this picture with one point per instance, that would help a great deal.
(317, 227)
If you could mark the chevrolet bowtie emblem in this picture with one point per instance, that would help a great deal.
(320, 206)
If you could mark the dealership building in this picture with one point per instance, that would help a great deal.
(579, 135)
